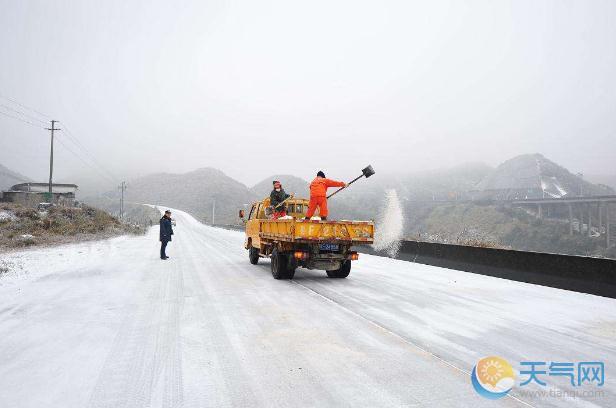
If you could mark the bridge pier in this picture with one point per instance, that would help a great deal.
(581, 223)
(579, 206)
(607, 225)
(570, 219)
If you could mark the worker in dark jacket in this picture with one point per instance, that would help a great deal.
(165, 233)
(277, 196)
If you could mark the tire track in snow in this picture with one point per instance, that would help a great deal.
(320, 378)
(270, 353)
(140, 352)
(211, 354)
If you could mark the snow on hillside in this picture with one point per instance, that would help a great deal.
(534, 176)
(551, 188)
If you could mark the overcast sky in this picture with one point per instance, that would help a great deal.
(261, 87)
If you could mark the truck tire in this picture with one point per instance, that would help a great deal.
(341, 272)
(280, 265)
(253, 255)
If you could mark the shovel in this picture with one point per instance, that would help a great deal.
(367, 172)
(285, 200)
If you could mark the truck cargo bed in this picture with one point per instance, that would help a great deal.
(360, 232)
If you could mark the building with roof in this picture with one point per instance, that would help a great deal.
(31, 194)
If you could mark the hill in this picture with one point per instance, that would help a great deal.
(9, 178)
(534, 176)
(196, 192)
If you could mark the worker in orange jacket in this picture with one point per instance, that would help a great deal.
(318, 195)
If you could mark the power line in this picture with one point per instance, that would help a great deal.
(77, 143)
(96, 166)
(60, 141)
(84, 162)
(27, 122)
(47, 117)
(23, 113)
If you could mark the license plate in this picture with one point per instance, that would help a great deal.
(329, 247)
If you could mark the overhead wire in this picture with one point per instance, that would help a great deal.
(84, 161)
(76, 142)
(21, 120)
(25, 107)
(95, 165)
(23, 114)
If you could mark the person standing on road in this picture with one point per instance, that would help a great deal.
(166, 231)
(318, 195)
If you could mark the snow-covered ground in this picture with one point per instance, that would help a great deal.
(108, 324)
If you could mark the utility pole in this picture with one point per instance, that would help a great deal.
(122, 188)
(52, 129)
(213, 211)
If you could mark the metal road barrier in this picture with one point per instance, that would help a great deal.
(596, 276)
(231, 227)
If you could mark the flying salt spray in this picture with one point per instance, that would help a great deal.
(390, 225)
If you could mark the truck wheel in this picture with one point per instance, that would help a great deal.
(280, 264)
(253, 255)
(341, 272)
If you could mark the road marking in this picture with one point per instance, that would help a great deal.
(404, 339)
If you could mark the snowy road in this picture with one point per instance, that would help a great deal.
(108, 324)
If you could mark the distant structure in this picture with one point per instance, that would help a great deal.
(31, 194)
(532, 176)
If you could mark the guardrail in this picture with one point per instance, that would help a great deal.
(231, 227)
(596, 276)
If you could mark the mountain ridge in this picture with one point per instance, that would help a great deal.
(535, 176)
(207, 190)
(9, 178)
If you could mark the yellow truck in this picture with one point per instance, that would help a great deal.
(292, 242)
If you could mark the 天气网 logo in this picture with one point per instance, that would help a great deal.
(493, 377)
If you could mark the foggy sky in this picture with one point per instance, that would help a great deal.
(256, 88)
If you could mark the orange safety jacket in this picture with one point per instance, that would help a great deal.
(318, 187)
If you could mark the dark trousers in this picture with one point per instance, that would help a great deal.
(163, 246)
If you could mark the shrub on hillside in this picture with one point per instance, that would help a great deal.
(58, 224)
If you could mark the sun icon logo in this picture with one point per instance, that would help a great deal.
(491, 371)
(493, 377)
